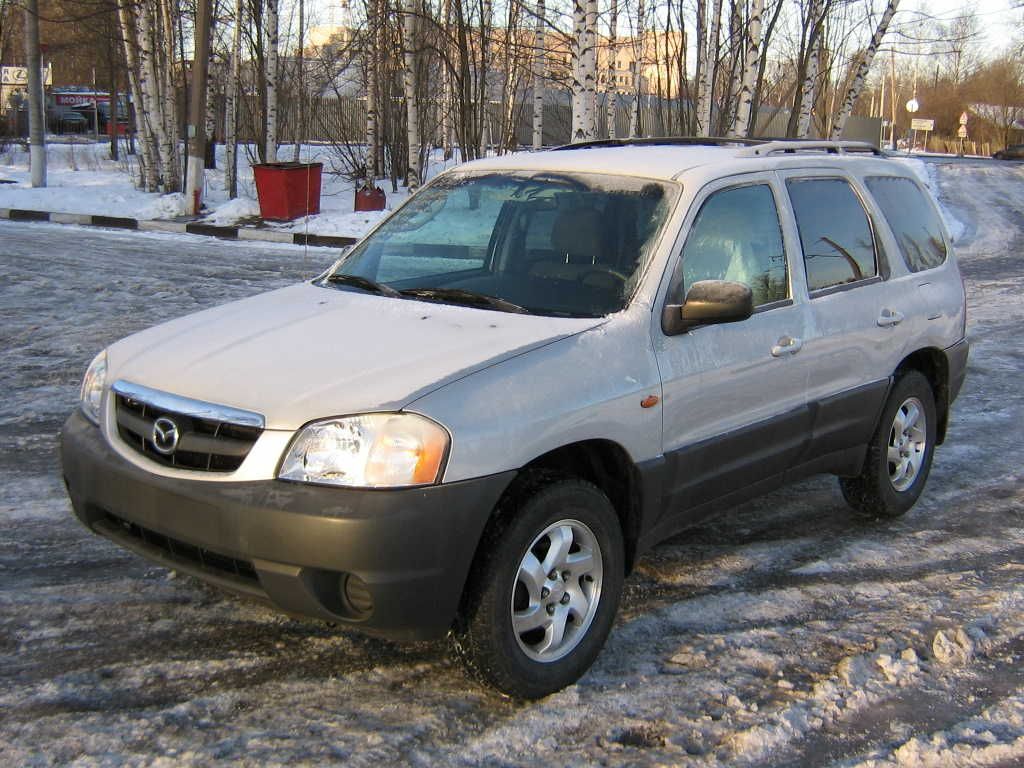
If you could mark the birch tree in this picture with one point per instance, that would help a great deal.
(271, 20)
(638, 66)
(741, 125)
(231, 105)
(539, 59)
(371, 71)
(412, 115)
(861, 70)
(809, 90)
(610, 91)
(580, 119)
(590, 68)
(700, 123)
(710, 69)
(148, 177)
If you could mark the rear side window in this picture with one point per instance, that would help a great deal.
(736, 236)
(912, 220)
(835, 233)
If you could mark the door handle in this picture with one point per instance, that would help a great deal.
(889, 317)
(787, 345)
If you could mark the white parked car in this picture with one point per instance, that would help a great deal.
(538, 368)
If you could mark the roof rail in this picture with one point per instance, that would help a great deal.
(661, 141)
(793, 146)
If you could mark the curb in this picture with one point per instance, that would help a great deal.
(181, 227)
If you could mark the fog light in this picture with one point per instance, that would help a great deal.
(357, 595)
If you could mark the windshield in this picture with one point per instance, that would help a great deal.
(544, 243)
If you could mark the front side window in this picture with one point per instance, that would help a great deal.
(835, 232)
(545, 243)
(912, 220)
(736, 236)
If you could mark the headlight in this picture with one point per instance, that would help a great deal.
(91, 394)
(376, 450)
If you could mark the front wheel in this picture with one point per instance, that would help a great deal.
(900, 453)
(544, 592)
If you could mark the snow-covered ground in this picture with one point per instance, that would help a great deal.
(81, 178)
(783, 632)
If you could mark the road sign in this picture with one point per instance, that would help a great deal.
(19, 76)
(913, 106)
(961, 132)
(963, 118)
(922, 124)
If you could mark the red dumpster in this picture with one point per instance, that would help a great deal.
(370, 198)
(288, 190)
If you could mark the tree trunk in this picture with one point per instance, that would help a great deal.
(231, 105)
(809, 90)
(36, 100)
(710, 67)
(638, 66)
(147, 162)
(371, 73)
(741, 125)
(611, 90)
(486, 9)
(210, 160)
(270, 154)
(539, 60)
(163, 30)
(700, 124)
(300, 60)
(412, 114)
(861, 72)
(578, 43)
(590, 68)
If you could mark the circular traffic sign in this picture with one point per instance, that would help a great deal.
(913, 106)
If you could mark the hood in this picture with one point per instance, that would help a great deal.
(305, 352)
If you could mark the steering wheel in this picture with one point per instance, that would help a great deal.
(603, 277)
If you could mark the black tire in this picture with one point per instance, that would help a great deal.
(486, 641)
(889, 488)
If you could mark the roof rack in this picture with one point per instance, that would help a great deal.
(792, 146)
(661, 141)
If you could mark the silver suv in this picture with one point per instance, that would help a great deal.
(538, 368)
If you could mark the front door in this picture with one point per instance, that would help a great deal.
(735, 408)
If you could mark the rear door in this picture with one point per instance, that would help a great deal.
(855, 310)
(735, 411)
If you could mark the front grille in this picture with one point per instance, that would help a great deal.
(207, 440)
(179, 550)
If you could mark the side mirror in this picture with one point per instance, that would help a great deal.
(708, 302)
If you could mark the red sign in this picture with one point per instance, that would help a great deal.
(80, 99)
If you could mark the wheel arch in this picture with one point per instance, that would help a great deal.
(608, 466)
(933, 364)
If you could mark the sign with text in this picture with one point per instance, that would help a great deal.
(922, 124)
(19, 76)
(80, 99)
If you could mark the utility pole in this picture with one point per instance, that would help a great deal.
(197, 110)
(36, 99)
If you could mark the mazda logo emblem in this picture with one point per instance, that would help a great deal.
(165, 436)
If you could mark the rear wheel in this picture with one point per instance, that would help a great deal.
(900, 453)
(544, 592)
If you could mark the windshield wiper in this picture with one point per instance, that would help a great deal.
(364, 283)
(468, 298)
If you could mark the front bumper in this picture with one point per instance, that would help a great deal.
(291, 544)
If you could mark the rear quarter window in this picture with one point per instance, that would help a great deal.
(912, 219)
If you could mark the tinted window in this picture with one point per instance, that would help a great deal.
(912, 220)
(736, 236)
(834, 232)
